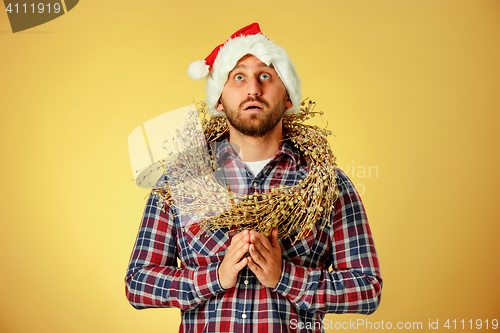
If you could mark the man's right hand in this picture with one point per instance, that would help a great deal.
(234, 262)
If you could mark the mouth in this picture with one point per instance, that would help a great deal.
(253, 107)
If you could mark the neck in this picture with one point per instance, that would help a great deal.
(256, 149)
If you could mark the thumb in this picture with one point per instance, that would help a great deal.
(274, 238)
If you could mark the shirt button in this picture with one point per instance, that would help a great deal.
(245, 282)
(244, 316)
(255, 184)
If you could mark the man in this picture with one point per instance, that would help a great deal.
(276, 276)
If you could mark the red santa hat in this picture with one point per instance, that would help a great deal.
(248, 40)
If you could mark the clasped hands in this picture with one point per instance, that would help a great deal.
(264, 261)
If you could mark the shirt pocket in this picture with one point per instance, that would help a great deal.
(301, 248)
(208, 243)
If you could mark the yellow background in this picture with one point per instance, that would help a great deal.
(410, 87)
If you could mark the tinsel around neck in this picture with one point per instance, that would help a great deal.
(289, 208)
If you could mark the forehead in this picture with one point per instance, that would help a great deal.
(250, 61)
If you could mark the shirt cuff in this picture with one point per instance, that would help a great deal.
(206, 281)
(293, 282)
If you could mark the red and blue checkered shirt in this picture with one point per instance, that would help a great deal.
(334, 270)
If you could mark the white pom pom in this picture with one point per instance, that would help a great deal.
(198, 70)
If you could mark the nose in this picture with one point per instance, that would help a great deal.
(254, 87)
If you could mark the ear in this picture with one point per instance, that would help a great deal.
(219, 107)
(288, 103)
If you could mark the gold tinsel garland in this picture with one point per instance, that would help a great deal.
(290, 208)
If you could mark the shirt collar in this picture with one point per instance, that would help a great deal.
(223, 149)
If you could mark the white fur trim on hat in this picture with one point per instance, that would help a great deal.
(264, 49)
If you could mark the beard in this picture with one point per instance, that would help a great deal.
(258, 124)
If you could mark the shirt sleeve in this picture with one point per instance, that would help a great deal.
(153, 277)
(354, 283)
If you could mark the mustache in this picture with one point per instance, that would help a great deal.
(254, 99)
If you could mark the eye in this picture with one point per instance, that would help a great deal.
(265, 76)
(239, 77)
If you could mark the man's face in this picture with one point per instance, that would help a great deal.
(254, 98)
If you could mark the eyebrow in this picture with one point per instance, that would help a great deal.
(243, 66)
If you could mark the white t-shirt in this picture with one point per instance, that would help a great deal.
(255, 167)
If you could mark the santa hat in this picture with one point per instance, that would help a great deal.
(248, 40)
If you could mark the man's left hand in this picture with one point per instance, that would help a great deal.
(265, 258)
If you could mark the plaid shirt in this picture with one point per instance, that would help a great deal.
(334, 270)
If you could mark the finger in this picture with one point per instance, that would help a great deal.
(237, 242)
(239, 236)
(236, 254)
(274, 238)
(245, 239)
(256, 238)
(254, 267)
(239, 266)
(256, 249)
(256, 256)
